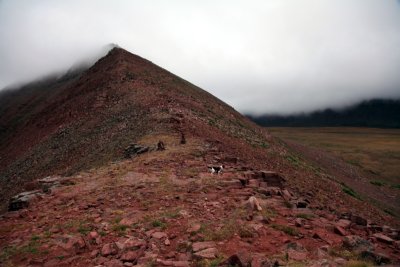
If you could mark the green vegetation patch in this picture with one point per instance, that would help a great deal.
(348, 190)
(31, 248)
(119, 229)
(286, 229)
(209, 263)
(396, 186)
(305, 216)
(159, 223)
(377, 183)
(294, 160)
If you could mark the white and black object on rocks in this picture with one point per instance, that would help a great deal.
(216, 169)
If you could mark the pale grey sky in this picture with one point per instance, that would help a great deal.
(259, 56)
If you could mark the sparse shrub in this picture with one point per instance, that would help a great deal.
(350, 191)
(264, 145)
(343, 253)
(245, 232)
(173, 214)
(389, 212)
(294, 160)
(268, 213)
(396, 186)
(158, 223)
(117, 219)
(212, 122)
(130, 76)
(47, 234)
(288, 204)
(286, 229)
(35, 238)
(209, 263)
(305, 216)
(6, 253)
(216, 262)
(119, 229)
(84, 229)
(224, 233)
(377, 183)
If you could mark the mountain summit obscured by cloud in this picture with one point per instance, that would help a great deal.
(275, 56)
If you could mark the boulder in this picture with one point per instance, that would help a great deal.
(344, 223)
(134, 150)
(109, 249)
(48, 183)
(271, 178)
(160, 146)
(128, 221)
(378, 258)
(375, 228)
(253, 204)
(260, 261)
(339, 230)
(356, 243)
(208, 253)
(297, 255)
(159, 235)
(73, 244)
(358, 220)
(130, 256)
(383, 238)
(298, 222)
(241, 259)
(203, 245)
(302, 203)
(286, 195)
(270, 191)
(94, 253)
(244, 181)
(194, 228)
(23, 200)
(253, 183)
(296, 251)
(133, 244)
(93, 235)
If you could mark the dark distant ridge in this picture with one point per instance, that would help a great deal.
(381, 113)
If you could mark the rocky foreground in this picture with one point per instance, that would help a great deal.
(163, 208)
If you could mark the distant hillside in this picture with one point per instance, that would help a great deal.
(373, 113)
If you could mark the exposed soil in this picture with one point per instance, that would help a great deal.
(168, 202)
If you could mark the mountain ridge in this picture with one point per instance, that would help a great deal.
(115, 164)
(106, 96)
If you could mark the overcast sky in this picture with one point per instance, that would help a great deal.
(262, 56)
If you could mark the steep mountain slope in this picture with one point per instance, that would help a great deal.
(88, 120)
(98, 208)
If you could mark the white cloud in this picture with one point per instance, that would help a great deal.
(259, 56)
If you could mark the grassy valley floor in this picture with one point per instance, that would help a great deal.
(373, 153)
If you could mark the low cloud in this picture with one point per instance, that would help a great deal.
(276, 56)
